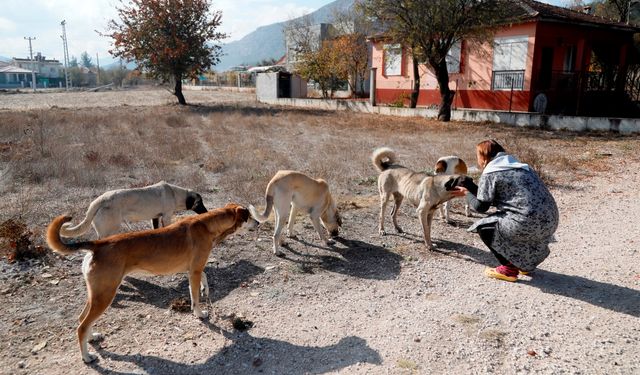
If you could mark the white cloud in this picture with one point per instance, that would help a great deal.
(7, 25)
(41, 19)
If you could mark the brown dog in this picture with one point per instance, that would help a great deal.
(180, 247)
(424, 191)
(451, 165)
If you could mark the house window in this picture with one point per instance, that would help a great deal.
(453, 58)
(392, 59)
(509, 62)
(570, 59)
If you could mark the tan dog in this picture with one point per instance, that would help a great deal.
(157, 202)
(181, 247)
(290, 191)
(450, 165)
(423, 191)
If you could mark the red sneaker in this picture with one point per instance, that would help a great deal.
(495, 273)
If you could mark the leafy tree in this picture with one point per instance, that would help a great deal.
(73, 62)
(322, 66)
(429, 28)
(353, 27)
(76, 76)
(168, 39)
(85, 60)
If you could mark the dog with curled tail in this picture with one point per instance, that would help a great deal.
(183, 246)
(424, 191)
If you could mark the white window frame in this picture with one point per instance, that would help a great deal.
(392, 59)
(453, 57)
(511, 59)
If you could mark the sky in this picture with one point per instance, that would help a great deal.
(40, 19)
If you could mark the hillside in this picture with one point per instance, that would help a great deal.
(268, 41)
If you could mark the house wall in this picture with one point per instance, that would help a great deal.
(472, 84)
(561, 38)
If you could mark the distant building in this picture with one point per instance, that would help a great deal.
(546, 59)
(12, 76)
(313, 36)
(49, 72)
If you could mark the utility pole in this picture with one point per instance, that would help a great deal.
(98, 66)
(66, 54)
(33, 71)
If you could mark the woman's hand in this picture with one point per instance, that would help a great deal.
(459, 191)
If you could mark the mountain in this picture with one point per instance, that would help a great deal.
(5, 59)
(116, 64)
(268, 41)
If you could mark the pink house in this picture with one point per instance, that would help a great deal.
(552, 60)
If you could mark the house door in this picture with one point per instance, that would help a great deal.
(546, 67)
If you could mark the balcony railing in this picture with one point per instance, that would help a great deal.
(507, 80)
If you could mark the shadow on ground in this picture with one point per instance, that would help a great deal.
(251, 355)
(221, 282)
(352, 257)
(608, 296)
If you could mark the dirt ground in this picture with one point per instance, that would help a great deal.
(370, 304)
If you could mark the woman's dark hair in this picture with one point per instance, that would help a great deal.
(488, 149)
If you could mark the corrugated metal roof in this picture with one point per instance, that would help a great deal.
(13, 69)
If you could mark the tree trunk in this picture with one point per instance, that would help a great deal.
(446, 95)
(416, 84)
(178, 89)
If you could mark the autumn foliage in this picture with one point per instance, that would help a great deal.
(168, 39)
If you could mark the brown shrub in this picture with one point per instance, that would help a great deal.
(16, 242)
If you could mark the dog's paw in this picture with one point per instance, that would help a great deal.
(88, 358)
(291, 235)
(382, 232)
(200, 314)
(399, 230)
(278, 253)
(330, 242)
(96, 337)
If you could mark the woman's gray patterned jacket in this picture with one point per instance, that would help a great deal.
(526, 217)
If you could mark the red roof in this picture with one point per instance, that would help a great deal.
(531, 9)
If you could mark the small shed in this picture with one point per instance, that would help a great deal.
(280, 85)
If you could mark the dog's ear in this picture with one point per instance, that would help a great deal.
(242, 214)
(190, 202)
(194, 203)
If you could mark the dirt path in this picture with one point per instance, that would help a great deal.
(370, 305)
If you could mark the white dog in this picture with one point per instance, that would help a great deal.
(291, 190)
(157, 202)
(448, 165)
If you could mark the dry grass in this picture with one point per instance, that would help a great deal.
(57, 160)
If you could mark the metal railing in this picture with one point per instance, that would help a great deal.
(507, 80)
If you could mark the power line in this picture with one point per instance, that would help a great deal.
(33, 71)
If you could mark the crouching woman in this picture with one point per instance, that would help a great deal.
(519, 232)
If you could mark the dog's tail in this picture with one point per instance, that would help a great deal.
(265, 215)
(55, 242)
(68, 230)
(382, 158)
